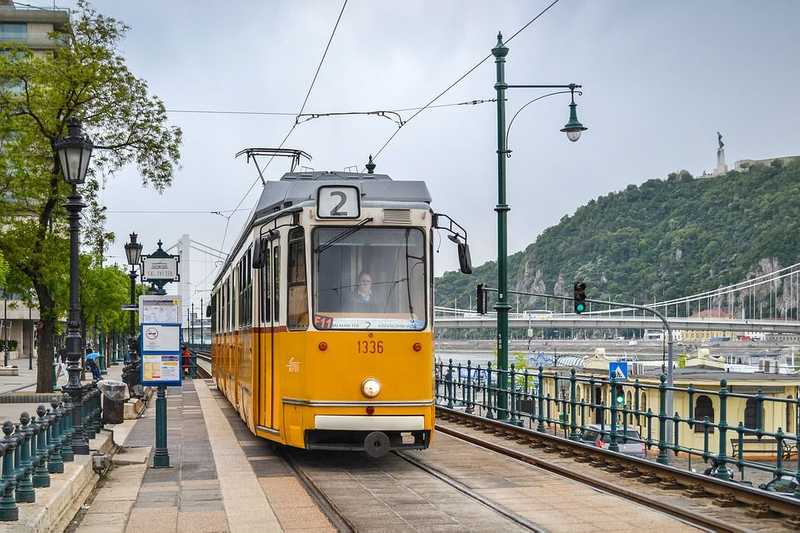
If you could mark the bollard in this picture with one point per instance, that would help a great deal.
(690, 392)
(66, 436)
(41, 477)
(721, 470)
(636, 403)
(8, 504)
(55, 463)
(574, 435)
(25, 492)
(662, 458)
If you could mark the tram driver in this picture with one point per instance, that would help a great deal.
(363, 299)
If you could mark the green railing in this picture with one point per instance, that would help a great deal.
(39, 445)
(551, 402)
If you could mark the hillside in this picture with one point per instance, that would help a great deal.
(663, 239)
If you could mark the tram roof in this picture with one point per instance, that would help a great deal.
(299, 187)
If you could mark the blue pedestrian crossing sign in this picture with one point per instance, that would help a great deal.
(618, 370)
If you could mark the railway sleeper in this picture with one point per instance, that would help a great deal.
(669, 483)
(696, 490)
(630, 473)
(760, 510)
(727, 499)
(614, 468)
(793, 521)
(583, 458)
(648, 478)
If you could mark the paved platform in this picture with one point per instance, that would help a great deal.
(215, 482)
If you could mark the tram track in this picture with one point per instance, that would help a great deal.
(728, 496)
(457, 485)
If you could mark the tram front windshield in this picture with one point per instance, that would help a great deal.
(369, 278)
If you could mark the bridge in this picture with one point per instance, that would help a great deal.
(464, 321)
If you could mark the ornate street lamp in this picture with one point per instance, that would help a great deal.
(573, 129)
(133, 251)
(74, 153)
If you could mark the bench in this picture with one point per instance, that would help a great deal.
(763, 446)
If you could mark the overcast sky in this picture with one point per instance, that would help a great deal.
(660, 78)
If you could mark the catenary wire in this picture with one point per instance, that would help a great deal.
(460, 78)
(302, 108)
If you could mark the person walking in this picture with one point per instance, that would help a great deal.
(91, 363)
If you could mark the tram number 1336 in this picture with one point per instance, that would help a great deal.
(370, 346)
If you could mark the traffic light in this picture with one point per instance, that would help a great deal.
(580, 297)
(619, 396)
(481, 299)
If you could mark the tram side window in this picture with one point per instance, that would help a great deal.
(248, 291)
(297, 300)
(263, 283)
(276, 293)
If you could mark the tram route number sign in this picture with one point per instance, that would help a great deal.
(338, 201)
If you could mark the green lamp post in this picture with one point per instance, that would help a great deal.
(573, 129)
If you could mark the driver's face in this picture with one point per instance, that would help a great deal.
(365, 282)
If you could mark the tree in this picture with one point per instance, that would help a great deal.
(85, 78)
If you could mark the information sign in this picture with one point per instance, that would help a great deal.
(155, 309)
(161, 337)
(160, 268)
(161, 369)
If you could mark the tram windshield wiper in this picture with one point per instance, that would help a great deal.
(344, 234)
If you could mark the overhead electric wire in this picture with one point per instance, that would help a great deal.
(174, 211)
(460, 78)
(286, 114)
(302, 108)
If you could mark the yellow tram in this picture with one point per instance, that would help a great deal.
(322, 315)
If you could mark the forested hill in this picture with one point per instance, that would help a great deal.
(665, 238)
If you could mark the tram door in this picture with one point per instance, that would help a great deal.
(268, 308)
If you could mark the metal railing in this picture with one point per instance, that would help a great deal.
(39, 445)
(549, 402)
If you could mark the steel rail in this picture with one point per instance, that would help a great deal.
(328, 508)
(713, 487)
(460, 487)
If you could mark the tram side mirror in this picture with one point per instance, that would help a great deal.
(209, 311)
(464, 259)
(258, 255)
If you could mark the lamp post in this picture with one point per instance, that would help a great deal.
(74, 153)
(133, 252)
(573, 129)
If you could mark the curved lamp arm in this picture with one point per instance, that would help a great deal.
(511, 122)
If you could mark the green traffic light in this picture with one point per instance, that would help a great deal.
(580, 308)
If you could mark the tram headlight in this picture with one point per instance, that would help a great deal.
(370, 387)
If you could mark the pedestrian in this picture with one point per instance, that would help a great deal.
(91, 363)
(187, 359)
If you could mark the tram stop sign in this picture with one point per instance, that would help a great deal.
(618, 370)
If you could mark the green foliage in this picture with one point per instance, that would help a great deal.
(104, 289)
(663, 239)
(86, 78)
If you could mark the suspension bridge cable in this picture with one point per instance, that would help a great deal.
(302, 108)
(460, 78)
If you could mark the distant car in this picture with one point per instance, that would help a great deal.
(783, 484)
(633, 343)
(629, 442)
